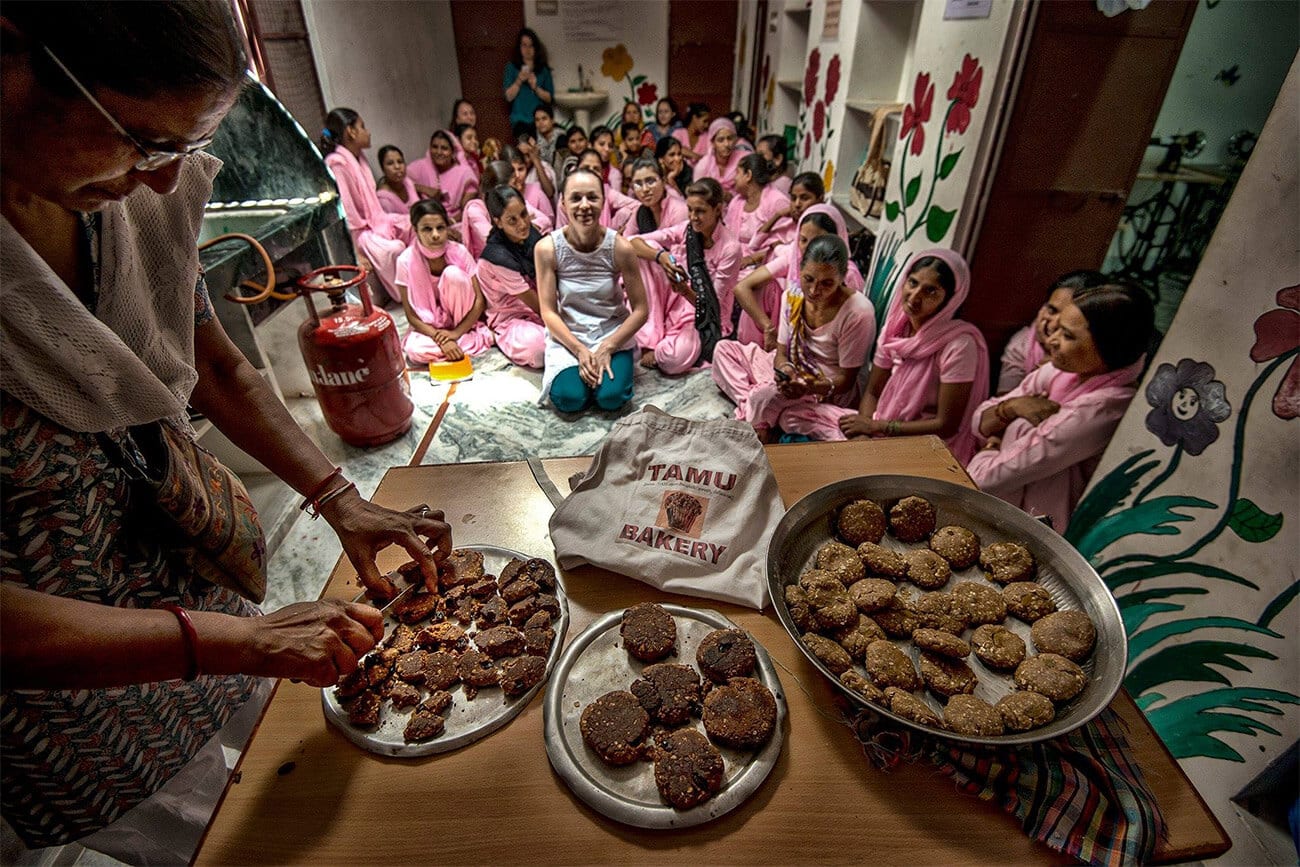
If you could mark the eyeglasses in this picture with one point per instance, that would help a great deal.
(151, 159)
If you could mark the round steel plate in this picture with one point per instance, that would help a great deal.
(467, 721)
(1062, 571)
(596, 663)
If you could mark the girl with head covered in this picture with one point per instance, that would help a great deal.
(591, 316)
(1042, 440)
(722, 158)
(478, 222)
(396, 191)
(378, 236)
(931, 368)
(507, 274)
(438, 175)
(440, 292)
(825, 334)
(690, 289)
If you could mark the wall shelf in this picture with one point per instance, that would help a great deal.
(853, 216)
(866, 106)
(793, 84)
(797, 7)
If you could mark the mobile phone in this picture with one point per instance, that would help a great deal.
(781, 375)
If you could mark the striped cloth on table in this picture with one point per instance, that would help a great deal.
(1081, 794)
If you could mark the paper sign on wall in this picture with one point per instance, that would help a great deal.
(967, 9)
(592, 21)
(831, 23)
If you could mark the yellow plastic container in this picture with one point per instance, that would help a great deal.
(451, 371)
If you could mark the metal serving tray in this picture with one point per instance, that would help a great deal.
(1062, 571)
(596, 663)
(467, 721)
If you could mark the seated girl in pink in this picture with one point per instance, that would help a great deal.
(673, 338)
(454, 184)
(654, 205)
(824, 338)
(378, 236)
(775, 150)
(1042, 440)
(722, 158)
(1027, 348)
(396, 191)
(539, 203)
(443, 302)
(478, 220)
(508, 276)
(467, 137)
(694, 137)
(759, 293)
(613, 200)
(931, 368)
(602, 142)
(757, 210)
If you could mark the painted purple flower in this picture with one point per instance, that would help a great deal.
(1188, 405)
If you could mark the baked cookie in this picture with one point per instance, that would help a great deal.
(415, 607)
(500, 641)
(1069, 633)
(520, 588)
(897, 619)
(968, 715)
(908, 706)
(614, 726)
(410, 666)
(841, 561)
(796, 602)
(1022, 710)
(538, 639)
(834, 657)
(441, 636)
(911, 519)
(856, 638)
(477, 669)
(462, 566)
(862, 686)
(403, 695)
(959, 546)
(363, 711)
(1028, 601)
(1005, 562)
(983, 603)
(831, 606)
(521, 674)
(649, 632)
(441, 670)
(942, 643)
(541, 572)
(670, 693)
(439, 701)
(861, 521)
(941, 611)
(423, 726)
(872, 594)
(927, 569)
(726, 653)
(688, 769)
(880, 560)
(401, 639)
(1051, 675)
(945, 676)
(888, 666)
(998, 647)
(741, 714)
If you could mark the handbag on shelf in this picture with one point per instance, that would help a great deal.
(868, 193)
(201, 508)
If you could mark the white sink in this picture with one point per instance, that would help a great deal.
(581, 102)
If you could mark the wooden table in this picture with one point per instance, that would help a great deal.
(303, 794)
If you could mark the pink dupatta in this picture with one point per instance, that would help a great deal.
(913, 358)
(389, 201)
(853, 279)
(421, 286)
(708, 166)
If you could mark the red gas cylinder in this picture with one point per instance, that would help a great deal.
(355, 360)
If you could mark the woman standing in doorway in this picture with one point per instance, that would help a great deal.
(527, 81)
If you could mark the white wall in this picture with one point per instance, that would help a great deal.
(641, 26)
(393, 62)
(1260, 37)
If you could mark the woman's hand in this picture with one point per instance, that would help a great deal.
(676, 274)
(593, 366)
(769, 337)
(451, 349)
(992, 445)
(366, 529)
(428, 192)
(364, 263)
(1034, 408)
(753, 260)
(315, 642)
(859, 425)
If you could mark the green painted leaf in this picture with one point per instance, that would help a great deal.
(1153, 517)
(937, 222)
(1143, 641)
(638, 80)
(1252, 523)
(1279, 604)
(1145, 701)
(1142, 596)
(1107, 494)
(913, 190)
(1134, 616)
(1133, 574)
(1191, 662)
(949, 163)
(1188, 724)
(892, 211)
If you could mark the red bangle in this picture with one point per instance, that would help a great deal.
(190, 636)
(321, 488)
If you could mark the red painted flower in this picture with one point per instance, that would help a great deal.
(807, 146)
(1278, 332)
(648, 93)
(819, 120)
(810, 77)
(832, 79)
(965, 91)
(917, 112)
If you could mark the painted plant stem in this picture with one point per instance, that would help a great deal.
(1163, 477)
(1234, 485)
(938, 157)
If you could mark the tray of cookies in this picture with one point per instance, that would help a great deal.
(946, 609)
(456, 665)
(663, 716)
